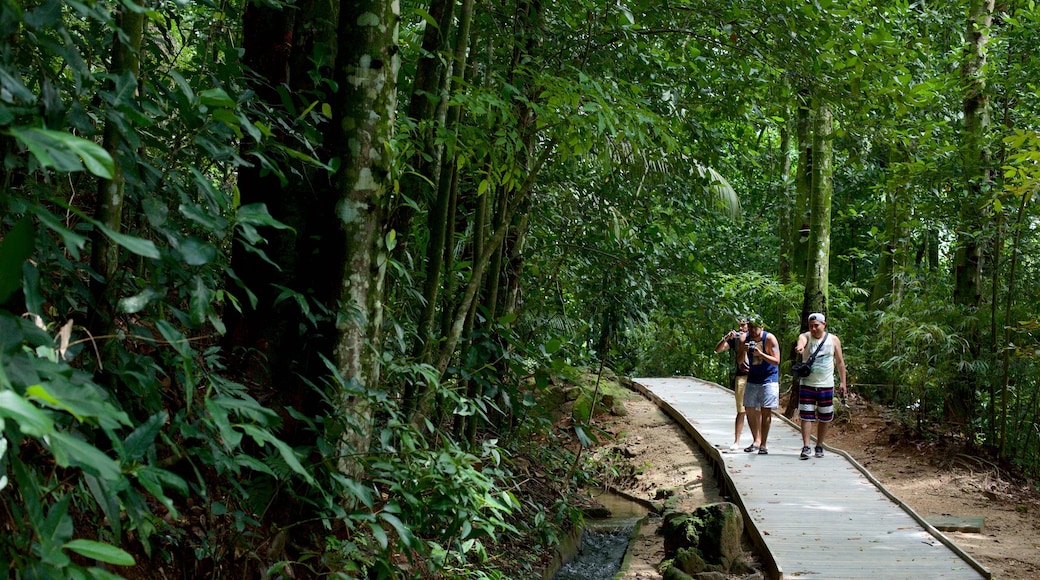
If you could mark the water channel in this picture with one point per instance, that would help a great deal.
(604, 541)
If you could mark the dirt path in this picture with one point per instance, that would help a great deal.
(928, 477)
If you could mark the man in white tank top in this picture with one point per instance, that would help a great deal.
(816, 391)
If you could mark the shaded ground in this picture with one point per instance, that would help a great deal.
(930, 477)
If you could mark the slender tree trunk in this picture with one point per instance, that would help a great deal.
(803, 188)
(104, 256)
(818, 268)
(967, 273)
(788, 233)
(366, 73)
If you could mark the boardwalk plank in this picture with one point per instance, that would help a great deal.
(819, 518)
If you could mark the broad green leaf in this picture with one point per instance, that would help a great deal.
(379, 533)
(69, 451)
(174, 338)
(216, 98)
(196, 252)
(100, 551)
(31, 420)
(65, 152)
(54, 531)
(138, 302)
(403, 531)
(74, 242)
(139, 246)
(143, 437)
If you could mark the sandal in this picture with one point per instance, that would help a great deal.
(751, 448)
(763, 451)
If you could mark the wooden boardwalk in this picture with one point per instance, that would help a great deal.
(818, 518)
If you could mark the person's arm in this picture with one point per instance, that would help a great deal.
(803, 339)
(771, 353)
(839, 363)
(723, 344)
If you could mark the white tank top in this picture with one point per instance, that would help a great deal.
(823, 369)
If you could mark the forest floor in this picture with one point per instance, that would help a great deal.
(933, 477)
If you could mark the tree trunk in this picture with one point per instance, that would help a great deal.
(788, 233)
(366, 73)
(967, 267)
(818, 267)
(803, 189)
(275, 341)
(104, 256)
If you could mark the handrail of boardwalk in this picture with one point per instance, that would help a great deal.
(773, 567)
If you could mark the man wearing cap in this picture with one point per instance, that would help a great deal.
(816, 391)
(762, 394)
(732, 341)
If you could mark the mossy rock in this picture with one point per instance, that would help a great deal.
(705, 540)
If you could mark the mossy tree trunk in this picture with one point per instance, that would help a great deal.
(364, 110)
(105, 254)
(818, 266)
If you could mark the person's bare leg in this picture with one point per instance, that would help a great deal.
(821, 432)
(738, 427)
(806, 432)
(764, 423)
(754, 416)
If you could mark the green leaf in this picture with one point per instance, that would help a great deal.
(216, 98)
(138, 302)
(156, 481)
(403, 531)
(174, 338)
(139, 246)
(379, 533)
(31, 420)
(15, 249)
(141, 440)
(53, 533)
(262, 436)
(69, 450)
(100, 551)
(196, 252)
(65, 152)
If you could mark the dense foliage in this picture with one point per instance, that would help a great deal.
(289, 288)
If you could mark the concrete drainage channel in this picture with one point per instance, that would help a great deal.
(600, 551)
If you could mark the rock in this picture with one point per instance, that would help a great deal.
(706, 540)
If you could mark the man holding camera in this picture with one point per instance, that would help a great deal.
(732, 341)
(763, 384)
(816, 390)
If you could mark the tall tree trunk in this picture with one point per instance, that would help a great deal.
(803, 187)
(419, 185)
(441, 213)
(275, 341)
(818, 269)
(104, 256)
(367, 66)
(888, 280)
(967, 266)
(788, 233)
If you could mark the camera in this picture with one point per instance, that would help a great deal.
(752, 345)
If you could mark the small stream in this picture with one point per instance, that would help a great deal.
(604, 541)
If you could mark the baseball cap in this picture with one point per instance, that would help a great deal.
(818, 317)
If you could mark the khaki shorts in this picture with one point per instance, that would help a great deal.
(739, 386)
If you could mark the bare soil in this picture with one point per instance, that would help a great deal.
(932, 477)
